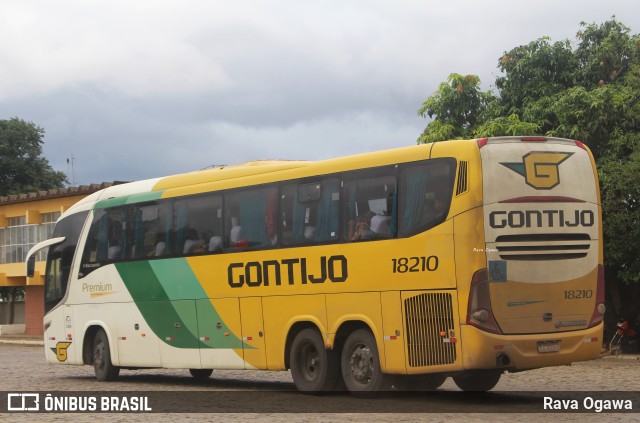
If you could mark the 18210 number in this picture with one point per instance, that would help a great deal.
(415, 264)
(578, 294)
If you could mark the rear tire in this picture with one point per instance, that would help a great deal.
(102, 366)
(314, 369)
(478, 382)
(201, 374)
(360, 364)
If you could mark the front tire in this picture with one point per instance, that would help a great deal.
(360, 364)
(102, 366)
(313, 368)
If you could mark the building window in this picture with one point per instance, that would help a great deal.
(17, 238)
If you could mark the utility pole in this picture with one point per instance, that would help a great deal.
(71, 162)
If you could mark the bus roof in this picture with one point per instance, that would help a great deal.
(257, 172)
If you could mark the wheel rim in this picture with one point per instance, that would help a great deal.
(361, 364)
(310, 364)
(98, 356)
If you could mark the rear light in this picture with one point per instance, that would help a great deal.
(581, 145)
(599, 309)
(479, 313)
(535, 139)
(482, 142)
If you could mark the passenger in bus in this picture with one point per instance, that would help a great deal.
(161, 249)
(362, 230)
(309, 232)
(115, 232)
(215, 244)
(380, 224)
(113, 252)
(434, 207)
(234, 234)
(193, 245)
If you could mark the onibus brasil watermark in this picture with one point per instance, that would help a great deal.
(36, 402)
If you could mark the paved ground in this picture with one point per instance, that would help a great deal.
(269, 393)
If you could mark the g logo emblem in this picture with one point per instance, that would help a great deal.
(61, 350)
(540, 169)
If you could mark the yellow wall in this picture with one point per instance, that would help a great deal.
(14, 274)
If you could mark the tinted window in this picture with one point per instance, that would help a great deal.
(370, 206)
(149, 230)
(250, 220)
(310, 212)
(60, 259)
(106, 239)
(425, 194)
(199, 225)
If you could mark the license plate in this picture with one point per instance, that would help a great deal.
(548, 346)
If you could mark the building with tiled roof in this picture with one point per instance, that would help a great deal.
(25, 220)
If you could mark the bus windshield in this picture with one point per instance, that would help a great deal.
(60, 258)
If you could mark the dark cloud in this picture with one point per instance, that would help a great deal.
(143, 89)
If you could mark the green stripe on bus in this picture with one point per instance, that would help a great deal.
(179, 282)
(141, 281)
(129, 199)
(165, 318)
(215, 337)
(171, 299)
(177, 279)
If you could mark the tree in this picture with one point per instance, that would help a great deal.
(459, 105)
(22, 167)
(538, 70)
(590, 93)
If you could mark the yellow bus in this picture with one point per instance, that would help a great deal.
(460, 259)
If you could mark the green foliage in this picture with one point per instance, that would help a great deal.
(593, 116)
(510, 125)
(619, 173)
(605, 52)
(437, 130)
(459, 104)
(590, 93)
(539, 69)
(22, 167)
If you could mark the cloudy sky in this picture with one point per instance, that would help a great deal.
(146, 88)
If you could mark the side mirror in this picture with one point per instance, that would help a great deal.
(31, 266)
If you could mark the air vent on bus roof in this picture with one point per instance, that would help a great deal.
(462, 185)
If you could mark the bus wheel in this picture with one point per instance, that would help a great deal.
(361, 364)
(102, 366)
(428, 382)
(313, 368)
(477, 382)
(201, 373)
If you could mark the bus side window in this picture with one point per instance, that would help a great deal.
(115, 235)
(310, 212)
(251, 218)
(104, 241)
(199, 224)
(148, 232)
(425, 195)
(96, 244)
(370, 207)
